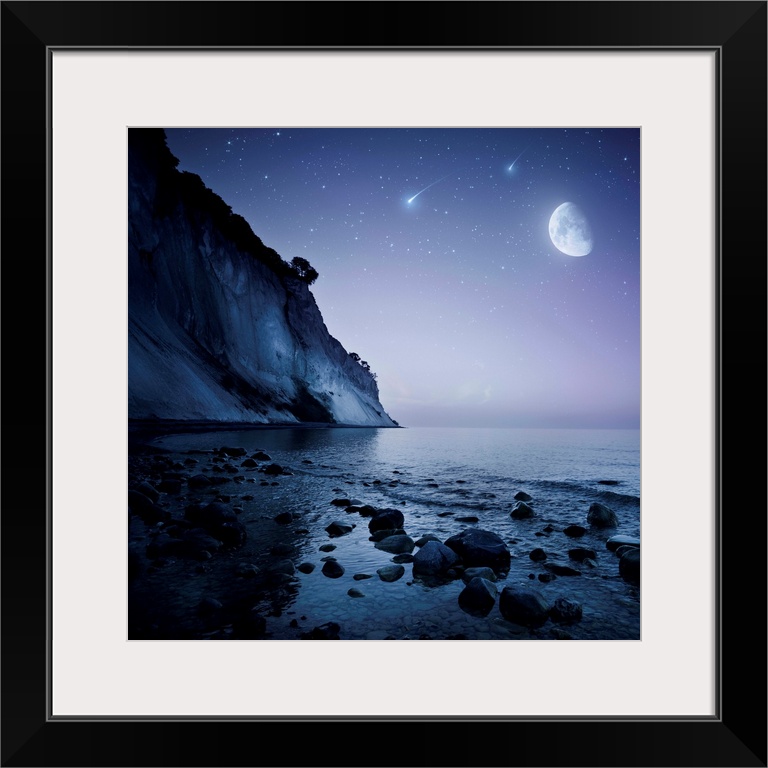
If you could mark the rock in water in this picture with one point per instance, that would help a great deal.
(391, 572)
(339, 528)
(526, 607)
(478, 597)
(332, 569)
(579, 554)
(538, 555)
(575, 531)
(523, 496)
(483, 573)
(600, 516)
(561, 570)
(478, 547)
(629, 567)
(522, 511)
(396, 545)
(434, 559)
(617, 541)
(386, 519)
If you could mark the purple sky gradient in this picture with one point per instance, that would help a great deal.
(459, 300)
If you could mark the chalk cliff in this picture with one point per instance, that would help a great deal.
(220, 328)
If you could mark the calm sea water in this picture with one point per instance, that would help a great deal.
(435, 475)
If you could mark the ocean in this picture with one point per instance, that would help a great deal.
(434, 476)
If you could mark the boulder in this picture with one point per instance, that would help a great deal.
(478, 547)
(385, 519)
(332, 569)
(352, 592)
(600, 516)
(629, 567)
(327, 547)
(396, 545)
(434, 559)
(522, 511)
(273, 469)
(524, 606)
(617, 541)
(226, 451)
(339, 528)
(468, 519)
(483, 573)
(523, 496)
(385, 533)
(249, 463)
(306, 567)
(561, 570)
(284, 518)
(538, 555)
(579, 554)
(619, 552)
(391, 572)
(575, 531)
(478, 597)
(342, 502)
(565, 611)
(427, 537)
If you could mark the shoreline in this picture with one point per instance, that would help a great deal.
(140, 431)
(224, 545)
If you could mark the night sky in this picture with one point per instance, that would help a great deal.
(436, 263)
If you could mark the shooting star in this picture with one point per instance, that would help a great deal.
(517, 158)
(411, 199)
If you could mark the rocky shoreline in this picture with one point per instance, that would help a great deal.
(213, 555)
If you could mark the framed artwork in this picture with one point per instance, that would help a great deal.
(676, 92)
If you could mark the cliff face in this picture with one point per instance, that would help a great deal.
(220, 327)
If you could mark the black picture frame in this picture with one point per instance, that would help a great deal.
(736, 736)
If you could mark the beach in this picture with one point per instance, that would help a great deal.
(289, 534)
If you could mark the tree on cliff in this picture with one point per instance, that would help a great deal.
(304, 270)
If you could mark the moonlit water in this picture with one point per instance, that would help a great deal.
(435, 475)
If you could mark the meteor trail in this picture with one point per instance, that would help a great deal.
(518, 157)
(411, 199)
